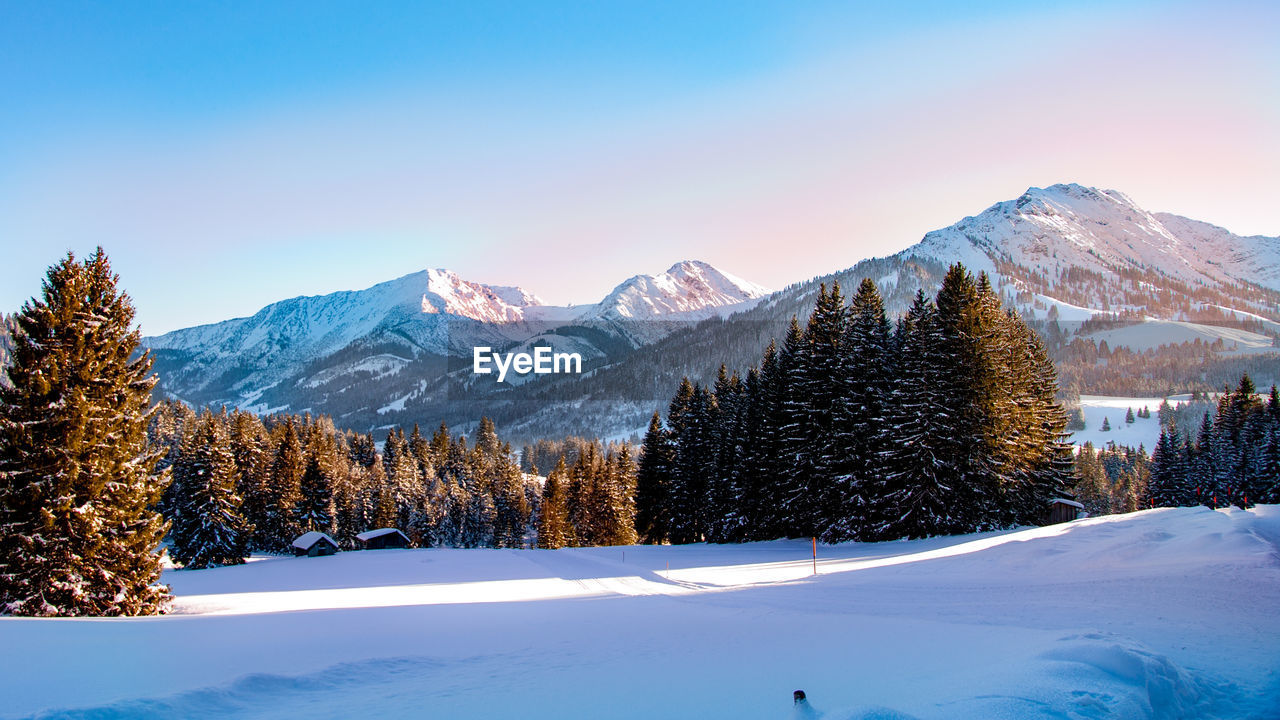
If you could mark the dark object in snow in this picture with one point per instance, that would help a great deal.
(1062, 510)
(382, 539)
(314, 544)
(801, 709)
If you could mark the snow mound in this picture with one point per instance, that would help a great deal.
(1154, 686)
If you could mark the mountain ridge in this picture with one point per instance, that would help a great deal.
(1065, 254)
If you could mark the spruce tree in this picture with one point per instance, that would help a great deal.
(653, 485)
(915, 496)
(1204, 466)
(795, 508)
(285, 491)
(859, 437)
(78, 528)
(208, 529)
(249, 450)
(753, 478)
(511, 507)
(553, 521)
(315, 503)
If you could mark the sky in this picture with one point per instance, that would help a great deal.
(228, 155)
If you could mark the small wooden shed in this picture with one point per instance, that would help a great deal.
(382, 538)
(1062, 510)
(314, 544)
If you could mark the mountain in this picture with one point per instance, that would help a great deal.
(1129, 301)
(1120, 295)
(1046, 231)
(312, 350)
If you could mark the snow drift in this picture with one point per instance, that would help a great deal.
(1159, 614)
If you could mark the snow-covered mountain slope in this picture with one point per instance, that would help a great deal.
(380, 330)
(1166, 613)
(1047, 231)
(317, 325)
(379, 356)
(688, 289)
(1065, 253)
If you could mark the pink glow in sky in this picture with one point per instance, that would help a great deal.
(834, 152)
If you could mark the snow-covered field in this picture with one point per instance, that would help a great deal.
(1143, 431)
(1162, 613)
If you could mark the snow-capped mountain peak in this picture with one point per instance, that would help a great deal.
(688, 287)
(448, 293)
(1048, 230)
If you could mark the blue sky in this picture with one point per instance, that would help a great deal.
(228, 155)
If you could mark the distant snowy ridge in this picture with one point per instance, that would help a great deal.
(399, 352)
(434, 312)
(1048, 230)
(687, 287)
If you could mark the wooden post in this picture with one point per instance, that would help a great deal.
(815, 555)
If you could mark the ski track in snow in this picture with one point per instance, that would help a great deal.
(1157, 614)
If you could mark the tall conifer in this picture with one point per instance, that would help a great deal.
(79, 532)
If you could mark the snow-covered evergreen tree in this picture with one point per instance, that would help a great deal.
(860, 437)
(553, 521)
(315, 504)
(208, 528)
(78, 531)
(280, 516)
(914, 497)
(653, 484)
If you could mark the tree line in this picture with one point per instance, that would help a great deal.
(243, 484)
(1234, 458)
(859, 429)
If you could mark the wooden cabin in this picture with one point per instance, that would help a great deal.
(1062, 510)
(314, 544)
(382, 539)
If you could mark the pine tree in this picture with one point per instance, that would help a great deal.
(970, 397)
(795, 508)
(764, 515)
(249, 442)
(1165, 488)
(653, 485)
(315, 504)
(1092, 488)
(553, 522)
(208, 529)
(1106, 424)
(859, 437)
(1128, 416)
(1204, 465)
(915, 496)
(726, 440)
(78, 529)
(287, 467)
(511, 507)
(752, 478)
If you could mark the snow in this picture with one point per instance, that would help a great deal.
(307, 539)
(371, 534)
(1067, 313)
(688, 290)
(1143, 431)
(1157, 614)
(1151, 334)
(1067, 225)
